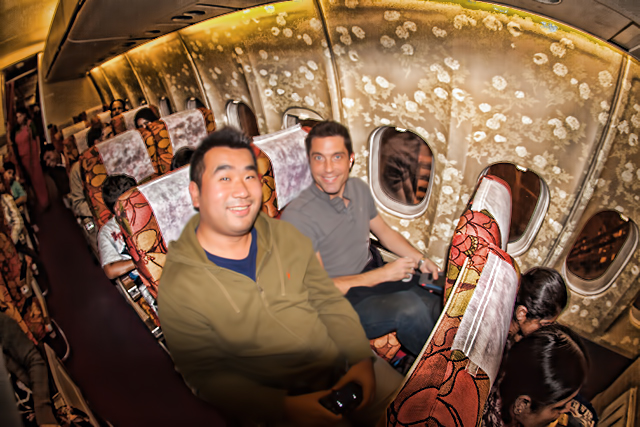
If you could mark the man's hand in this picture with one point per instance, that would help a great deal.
(361, 373)
(429, 266)
(399, 269)
(306, 410)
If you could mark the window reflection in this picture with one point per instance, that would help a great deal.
(405, 166)
(525, 191)
(597, 245)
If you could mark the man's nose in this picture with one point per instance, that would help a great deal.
(240, 189)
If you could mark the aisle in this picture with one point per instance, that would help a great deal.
(124, 374)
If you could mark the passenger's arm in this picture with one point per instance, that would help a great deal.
(23, 352)
(397, 244)
(13, 217)
(79, 203)
(118, 268)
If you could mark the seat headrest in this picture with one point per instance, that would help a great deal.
(105, 117)
(81, 140)
(288, 155)
(186, 128)
(68, 131)
(94, 111)
(128, 117)
(170, 201)
(494, 196)
(126, 154)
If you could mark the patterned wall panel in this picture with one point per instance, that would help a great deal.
(481, 84)
(212, 45)
(617, 187)
(121, 77)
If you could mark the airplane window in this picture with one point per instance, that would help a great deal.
(530, 201)
(400, 169)
(165, 107)
(241, 116)
(193, 103)
(601, 250)
(306, 118)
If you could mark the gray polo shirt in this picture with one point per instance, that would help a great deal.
(340, 233)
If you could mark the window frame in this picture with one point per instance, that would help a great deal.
(523, 244)
(601, 284)
(383, 200)
(164, 106)
(291, 113)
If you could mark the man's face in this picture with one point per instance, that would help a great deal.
(117, 108)
(9, 175)
(51, 158)
(141, 122)
(230, 196)
(329, 162)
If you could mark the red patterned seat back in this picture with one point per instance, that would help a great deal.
(183, 129)
(126, 153)
(450, 381)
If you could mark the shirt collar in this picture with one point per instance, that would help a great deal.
(337, 202)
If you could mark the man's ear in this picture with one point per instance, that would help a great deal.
(522, 405)
(194, 191)
(521, 313)
(352, 157)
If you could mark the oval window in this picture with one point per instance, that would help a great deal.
(296, 115)
(193, 103)
(400, 168)
(165, 107)
(529, 204)
(602, 249)
(241, 116)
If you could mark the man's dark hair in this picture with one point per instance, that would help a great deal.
(45, 149)
(542, 292)
(225, 137)
(93, 135)
(145, 113)
(9, 166)
(548, 365)
(113, 187)
(329, 128)
(182, 157)
(117, 100)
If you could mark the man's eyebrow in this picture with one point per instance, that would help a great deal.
(229, 167)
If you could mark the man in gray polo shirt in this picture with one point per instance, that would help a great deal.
(337, 213)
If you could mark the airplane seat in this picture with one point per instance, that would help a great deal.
(451, 379)
(124, 122)
(183, 129)
(126, 153)
(287, 173)
(75, 144)
(94, 111)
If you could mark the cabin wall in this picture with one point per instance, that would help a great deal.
(480, 84)
(63, 100)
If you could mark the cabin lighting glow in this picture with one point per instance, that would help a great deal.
(401, 130)
(549, 1)
(521, 168)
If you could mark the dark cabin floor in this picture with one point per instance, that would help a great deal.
(124, 374)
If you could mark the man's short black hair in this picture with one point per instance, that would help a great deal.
(117, 100)
(225, 137)
(45, 149)
(182, 157)
(94, 134)
(329, 128)
(9, 166)
(113, 187)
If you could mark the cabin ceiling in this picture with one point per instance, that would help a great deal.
(84, 33)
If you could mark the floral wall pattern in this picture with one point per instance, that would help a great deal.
(481, 84)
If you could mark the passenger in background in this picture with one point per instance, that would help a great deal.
(337, 213)
(17, 190)
(12, 217)
(117, 107)
(25, 363)
(55, 164)
(114, 257)
(542, 295)
(24, 136)
(182, 157)
(541, 375)
(251, 319)
(143, 117)
(79, 204)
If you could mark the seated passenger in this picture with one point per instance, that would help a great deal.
(337, 213)
(12, 217)
(55, 165)
(143, 117)
(16, 189)
(117, 107)
(25, 363)
(114, 257)
(542, 295)
(79, 204)
(541, 375)
(251, 319)
(182, 157)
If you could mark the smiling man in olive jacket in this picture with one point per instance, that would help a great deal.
(251, 319)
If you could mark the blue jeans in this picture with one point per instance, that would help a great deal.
(411, 312)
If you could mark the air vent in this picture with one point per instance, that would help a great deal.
(181, 18)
